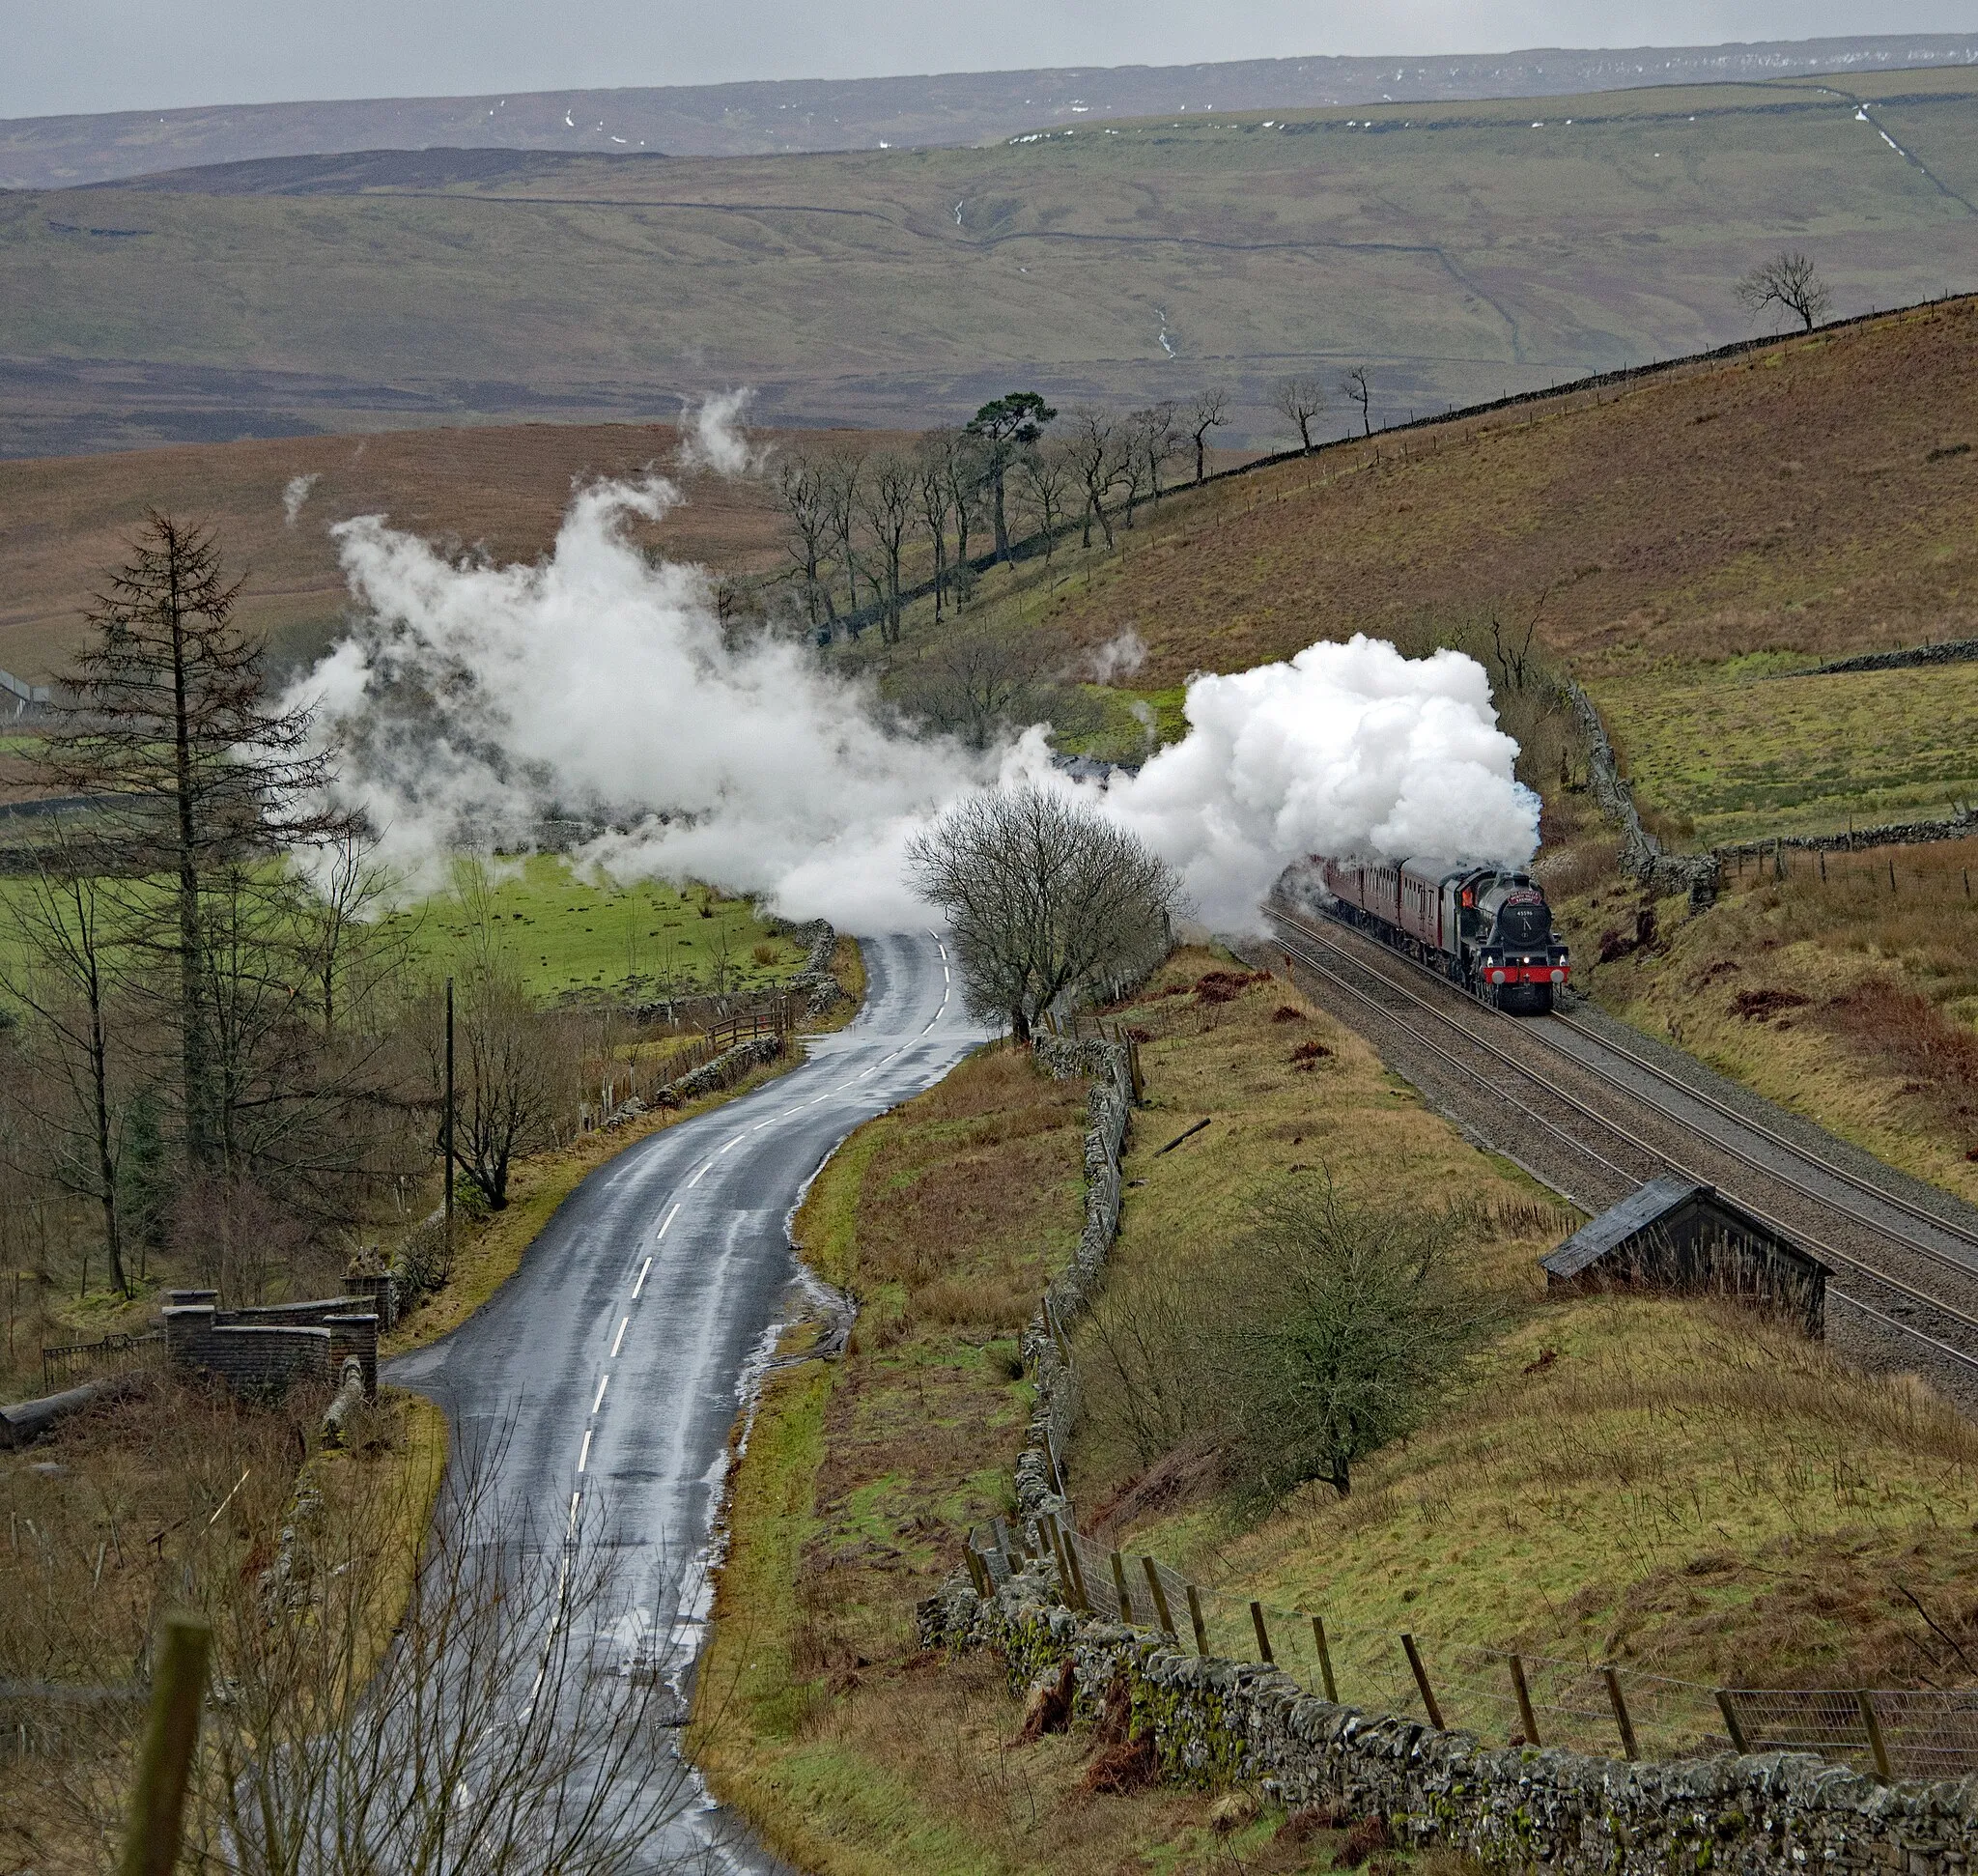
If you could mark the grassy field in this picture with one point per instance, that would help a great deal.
(1688, 1491)
(1457, 249)
(1847, 990)
(1806, 500)
(570, 935)
(1741, 755)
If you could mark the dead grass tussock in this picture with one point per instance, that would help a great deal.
(1883, 1051)
(1655, 540)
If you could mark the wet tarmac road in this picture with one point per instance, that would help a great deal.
(607, 1372)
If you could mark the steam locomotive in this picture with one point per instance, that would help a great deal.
(1485, 927)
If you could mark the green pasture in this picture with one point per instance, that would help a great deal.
(571, 936)
(1741, 755)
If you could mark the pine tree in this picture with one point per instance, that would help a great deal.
(192, 776)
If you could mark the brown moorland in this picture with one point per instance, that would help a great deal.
(1813, 497)
(64, 520)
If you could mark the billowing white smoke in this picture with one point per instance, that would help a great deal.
(477, 699)
(294, 494)
(711, 437)
(1120, 656)
(1348, 749)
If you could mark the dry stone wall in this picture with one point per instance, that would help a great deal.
(1038, 1474)
(1215, 1721)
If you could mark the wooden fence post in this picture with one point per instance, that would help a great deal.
(1877, 1746)
(978, 1571)
(1201, 1633)
(1414, 1655)
(157, 1805)
(1620, 1718)
(1731, 1723)
(1077, 1575)
(1325, 1660)
(1159, 1595)
(1065, 1588)
(1263, 1635)
(1526, 1718)
(1119, 1585)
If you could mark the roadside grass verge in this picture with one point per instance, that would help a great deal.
(491, 1248)
(1846, 999)
(816, 1713)
(1677, 1486)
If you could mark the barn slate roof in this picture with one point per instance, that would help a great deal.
(1645, 1206)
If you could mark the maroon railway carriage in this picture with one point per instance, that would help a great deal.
(1485, 927)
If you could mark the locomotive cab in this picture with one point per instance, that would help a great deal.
(1516, 959)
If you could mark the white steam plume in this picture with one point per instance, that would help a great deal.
(475, 700)
(1348, 749)
(295, 494)
(711, 435)
(1120, 656)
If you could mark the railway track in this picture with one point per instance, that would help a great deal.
(1592, 1120)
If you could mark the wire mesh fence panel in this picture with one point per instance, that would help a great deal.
(1827, 1722)
(1892, 1732)
(1928, 1732)
(1585, 1705)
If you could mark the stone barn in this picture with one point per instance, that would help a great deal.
(1676, 1235)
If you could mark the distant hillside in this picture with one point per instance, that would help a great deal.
(862, 113)
(62, 524)
(1690, 543)
(1457, 250)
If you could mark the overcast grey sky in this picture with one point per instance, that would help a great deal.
(102, 55)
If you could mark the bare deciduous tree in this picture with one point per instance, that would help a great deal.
(60, 970)
(1152, 441)
(1046, 899)
(1044, 484)
(801, 491)
(1300, 400)
(1358, 387)
(840, 476)
(888, 495)
(1210, 413)
(1095, 449)
(975, 685)
(936, 497)
(512, 1076)
(516, 1718)
(1789, 282)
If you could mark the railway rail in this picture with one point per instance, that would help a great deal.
(1590, 1130)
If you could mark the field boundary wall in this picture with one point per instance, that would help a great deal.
(1214, 1721)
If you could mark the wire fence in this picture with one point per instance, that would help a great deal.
(1503, 1696)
